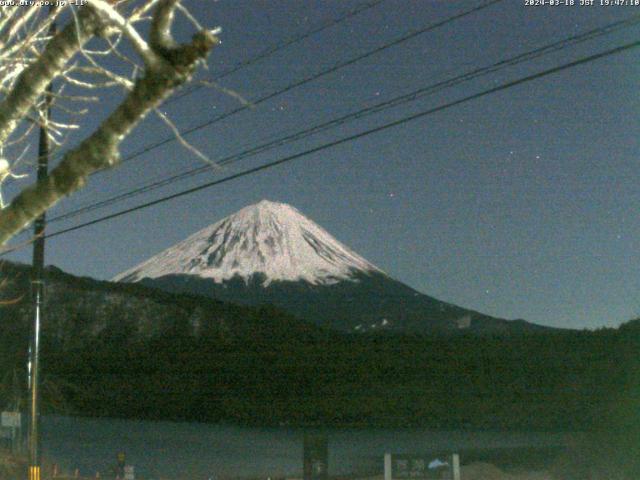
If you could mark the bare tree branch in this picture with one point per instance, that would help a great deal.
(172, 65)
(34, 79)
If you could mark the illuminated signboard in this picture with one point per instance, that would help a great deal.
(421, 467)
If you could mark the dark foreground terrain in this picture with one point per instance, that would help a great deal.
(131, 351)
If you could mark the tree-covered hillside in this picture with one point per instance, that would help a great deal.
(130, 351)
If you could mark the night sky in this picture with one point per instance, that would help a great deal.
(520, 204)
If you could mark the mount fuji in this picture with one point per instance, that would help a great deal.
(268, 238)
(270, 253)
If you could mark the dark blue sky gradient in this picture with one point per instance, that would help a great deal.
(521, 204)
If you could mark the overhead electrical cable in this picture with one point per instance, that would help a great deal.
(412, 34)
(350, 138)
(396, 101)
(280, 46)
(270, 51)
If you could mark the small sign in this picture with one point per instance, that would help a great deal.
(11, 419)
(129, 472)
(418, 467)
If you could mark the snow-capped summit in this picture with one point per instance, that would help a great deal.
(268, 238)
(271, 254)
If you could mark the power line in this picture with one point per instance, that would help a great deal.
(276, 48)
(311, 78)
(527, 56)
(350, 138)
(264, 54)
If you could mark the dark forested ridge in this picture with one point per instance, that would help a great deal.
(132, 351)
(371, 301)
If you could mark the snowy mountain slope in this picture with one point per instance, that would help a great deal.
(269, 253)
(268, 238)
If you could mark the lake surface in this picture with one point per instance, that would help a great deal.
(202, 451)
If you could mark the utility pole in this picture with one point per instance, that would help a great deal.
(37, 285)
